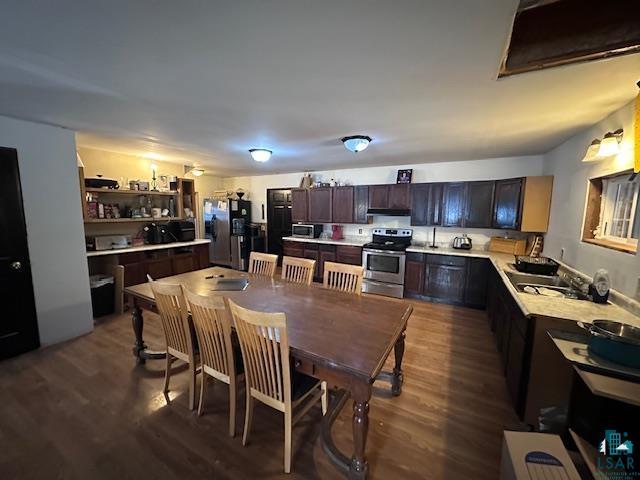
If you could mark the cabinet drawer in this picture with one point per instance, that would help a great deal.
(293, 249)
(133, 257)
(348, 254)
(415, 257)
(310, 247)
(434, 259)
(327, 248)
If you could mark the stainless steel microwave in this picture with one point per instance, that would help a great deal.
(306, 230)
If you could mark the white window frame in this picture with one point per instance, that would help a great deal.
(610, 187)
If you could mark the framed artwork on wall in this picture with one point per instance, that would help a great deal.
(404, 176)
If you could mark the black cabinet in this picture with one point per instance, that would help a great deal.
(507, 209)
(426, 204)
(445, 282)
(475, 292)
(478, 204)
(453, 200)
(414, 274)
(299, 205)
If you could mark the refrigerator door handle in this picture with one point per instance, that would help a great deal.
(213, 226)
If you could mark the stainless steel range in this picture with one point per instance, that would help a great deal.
(384, 260)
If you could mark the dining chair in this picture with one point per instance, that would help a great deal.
(218, 357)
(263, 263)
(174, 316)
(343, 277)
(298, 270)
(265, 351)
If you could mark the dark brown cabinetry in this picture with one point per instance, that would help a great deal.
(414, 274)
(320, 202)
(426, 204)
(478, 205)
(323, 253)
(399, 196)
(361, 203)
(343, 205)
(453, 204)
(508, 195)
(445, 278)
(299, 205)
(475, 292)
(379, 196)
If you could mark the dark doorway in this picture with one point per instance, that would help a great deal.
(278, 218)
(18, 326)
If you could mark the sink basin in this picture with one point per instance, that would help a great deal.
(522, 280)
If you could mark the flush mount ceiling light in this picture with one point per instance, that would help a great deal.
(592, 151)
(260, 154)
(197, 172)
(610, 144)
(356, 143)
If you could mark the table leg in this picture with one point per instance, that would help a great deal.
(137, 320)
(359, 467)
(398, 378)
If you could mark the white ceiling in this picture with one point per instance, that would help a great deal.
(204, 81)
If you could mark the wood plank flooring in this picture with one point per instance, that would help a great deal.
(84, 410)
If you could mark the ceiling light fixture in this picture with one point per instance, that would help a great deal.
(260, 154)
(610, 144)
(356, 143)
(197, 172)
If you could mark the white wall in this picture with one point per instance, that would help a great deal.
(51, 198)
(489, 169)
(568, 204)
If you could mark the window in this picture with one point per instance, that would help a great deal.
(612, 217)
(619, 208)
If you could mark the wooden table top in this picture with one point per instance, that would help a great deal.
(353, 332)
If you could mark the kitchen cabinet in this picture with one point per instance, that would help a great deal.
(159, 268)
(182, 264)
(202, 254)
(293, 249)
(379, 196)
(361, 204)
(478, 204)
(343, 205)
(323, 253)
(414, 270)
(453, 204)
(475, 291)
(426, 204)
(348, 254)
(320, 202)
(326, 253)
(134, 274)
(311, 252)
(299, 205)
(399, 196)
(506, 212)
(445, 282)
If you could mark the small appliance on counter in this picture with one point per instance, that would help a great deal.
(182, 230)
(336, 232)
(536, 265)
(99, 182)
(156, 234)
(462, 243)
(306, 230)
(108, 242)
(599, 289)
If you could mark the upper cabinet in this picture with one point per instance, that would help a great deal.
(478, 205)
(453, 204)
(299, 205)
(506, 213)
(378, 196)
(343, 206)
(426, 204)
(536, 204)
(320, 205)
(361, 204)
(390, 197)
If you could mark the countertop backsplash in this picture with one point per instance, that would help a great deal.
(423, 235)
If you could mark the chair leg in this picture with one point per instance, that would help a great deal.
(232, 407)
(287, 440)
(203, 385)
(324, 399)
(167, 376)
(192, 386)
(248, 417)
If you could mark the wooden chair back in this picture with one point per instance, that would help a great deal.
(343, 277)
(214, 334)
(265, 353)
(298, 270)
(173, 311)
(263, 263)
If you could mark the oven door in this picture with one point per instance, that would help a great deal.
(384, 265)
(303, 231)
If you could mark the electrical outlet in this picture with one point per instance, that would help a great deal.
(359, 231)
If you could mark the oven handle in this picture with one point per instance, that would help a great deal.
(391, 253)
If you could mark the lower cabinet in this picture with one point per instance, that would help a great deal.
(445, 278)
(321, 253)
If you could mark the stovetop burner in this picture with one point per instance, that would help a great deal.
(390, 239)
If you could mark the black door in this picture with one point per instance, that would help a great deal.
(278, 219)
(18, 323)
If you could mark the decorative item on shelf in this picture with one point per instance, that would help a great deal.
(356, 143)
(154, 183)
(240, 193)
(260, 154)
(306, 181)
(143, 185)
(163, 183)
(173, 183)
(404, 176)
(332, 183)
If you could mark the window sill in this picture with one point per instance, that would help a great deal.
(620, 247)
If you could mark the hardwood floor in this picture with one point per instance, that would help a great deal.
(84, 410)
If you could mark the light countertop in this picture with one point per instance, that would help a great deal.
(144, 248)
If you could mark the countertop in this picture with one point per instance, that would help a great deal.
(531, 305)
(145, 248)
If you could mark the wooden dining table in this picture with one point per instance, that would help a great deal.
(341, 338)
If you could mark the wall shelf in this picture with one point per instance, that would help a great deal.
(129, 192)
(130, 220)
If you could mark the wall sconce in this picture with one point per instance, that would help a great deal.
(605, 148)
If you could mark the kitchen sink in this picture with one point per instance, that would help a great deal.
(537, 284)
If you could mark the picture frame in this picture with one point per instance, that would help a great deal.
(404, 176)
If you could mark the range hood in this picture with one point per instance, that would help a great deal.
(395, 212)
